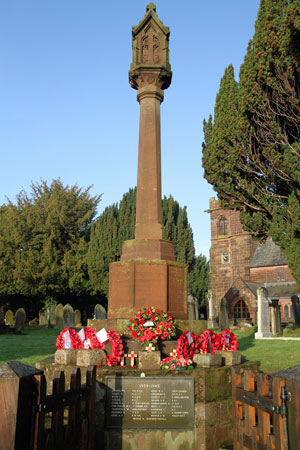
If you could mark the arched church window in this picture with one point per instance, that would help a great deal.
(286, 311)
(241, 311)
(222, 226)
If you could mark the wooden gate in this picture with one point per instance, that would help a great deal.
(259, 411)
(64, 420)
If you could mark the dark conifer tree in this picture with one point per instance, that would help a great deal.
(252, 148)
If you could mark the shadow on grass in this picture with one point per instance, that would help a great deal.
(31, 344)
(246, 341)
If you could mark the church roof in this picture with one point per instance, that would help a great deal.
(284, 289)
(252, 286)
(268, 254)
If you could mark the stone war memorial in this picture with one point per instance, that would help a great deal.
(146, 396)
(148, 269)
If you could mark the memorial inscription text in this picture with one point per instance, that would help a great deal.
(134, 402)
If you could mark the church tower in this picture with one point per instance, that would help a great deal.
(231, 250)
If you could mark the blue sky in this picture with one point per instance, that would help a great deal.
(67, 110)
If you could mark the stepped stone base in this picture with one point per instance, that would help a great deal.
(135, 283)
(148, 249)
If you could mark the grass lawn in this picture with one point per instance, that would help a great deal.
(39, 343)
(272, 355)
(31, 346)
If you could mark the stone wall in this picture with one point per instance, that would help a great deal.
(213, 419)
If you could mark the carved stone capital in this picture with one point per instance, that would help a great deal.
(150, 91)
(141, 77)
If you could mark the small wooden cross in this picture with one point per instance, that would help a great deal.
(132, 355)
(173, 354)
(150, 348)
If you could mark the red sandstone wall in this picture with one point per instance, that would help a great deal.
(270, 274)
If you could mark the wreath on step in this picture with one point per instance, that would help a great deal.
(117, 349)
(210, 342)
(185, 349)
(93, 343)
(228, 340)
(75, 341)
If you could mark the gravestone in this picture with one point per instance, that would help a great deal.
(68, 316)
(34, 322)
(212, 322)
(100, 312)
(276, 318)
(77, 318)
(20, 319)
(263, 317)
(296, 309)
(1, 314)
(59, 321)
(193, 313)
(9, 318)
(43, 320)
(223, 315)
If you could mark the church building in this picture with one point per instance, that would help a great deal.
(239, 265)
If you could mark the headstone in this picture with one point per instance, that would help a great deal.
(1, 314)
(59, 321)
(223, 315)
(34, 322)
(276, 318)
(9, 318)
(296, 309)
(193, 313)
(212, 322)
(263, 317)
(100, 312)
(43, 320)
(77, 318)
(68, 316)
(20, 319)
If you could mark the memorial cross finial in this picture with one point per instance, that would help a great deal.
(151, 7)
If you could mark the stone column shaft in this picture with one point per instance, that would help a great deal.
(148, 201)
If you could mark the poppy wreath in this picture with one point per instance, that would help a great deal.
(168, 364)
(228, 340)
(186, 350)
(75, 341)
(90, 336)
(117, 349)
(209, 339)
(163, 326)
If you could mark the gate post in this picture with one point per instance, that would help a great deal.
(16, 405)
(290, 398)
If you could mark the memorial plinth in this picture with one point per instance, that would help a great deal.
(148, 273)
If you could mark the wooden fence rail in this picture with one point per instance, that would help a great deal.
(70, 413)
(259, 411)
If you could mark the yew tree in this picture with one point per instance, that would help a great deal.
(252, 145)
(44, 240)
